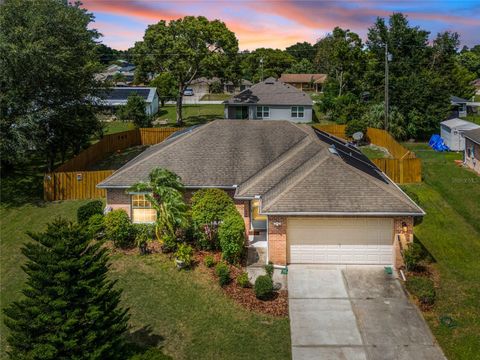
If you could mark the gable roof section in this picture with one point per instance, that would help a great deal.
(271, 92)
(303, 78)
(473, 135)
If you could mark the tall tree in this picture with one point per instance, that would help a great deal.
(48, 58)
(265, 62)
(303, 66)
(70, 308)
(302, 50)
(184, 47)
(166, 87)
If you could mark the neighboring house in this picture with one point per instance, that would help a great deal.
(476, 84)
(305, 196)
(118, 96)
(203, 85)
(125, 71)
(472, 149)
(270, 99)
(305, 82)
(452, 131)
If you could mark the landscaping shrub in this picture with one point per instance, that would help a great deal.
(144, 233)
(169, 243)
(269, 269)
(185, 254)
(96, 226)
(412, 256)
(223, 272)
(86, 211)
(354, 126)
(263, 287)
(209, 207)
(119, 229)
(231, 235)
(209, 261)
(242, 280)
(422, 288)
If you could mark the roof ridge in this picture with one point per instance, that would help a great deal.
(295, 177)
(282, 159)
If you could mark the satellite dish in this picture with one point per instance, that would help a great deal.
(357, 136)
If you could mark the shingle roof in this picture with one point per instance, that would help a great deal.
(473, 135)
(457, 100)
(119, 95)
(288, 165)
(271, 92)
(459, 124)
(303, 78)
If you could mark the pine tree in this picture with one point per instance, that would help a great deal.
(70, 308)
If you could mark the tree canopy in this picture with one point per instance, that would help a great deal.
(263, 63)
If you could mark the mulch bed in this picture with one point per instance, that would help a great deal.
(276, 306)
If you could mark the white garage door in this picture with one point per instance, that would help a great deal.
(340, 240)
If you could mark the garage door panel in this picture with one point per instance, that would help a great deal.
(340, 240)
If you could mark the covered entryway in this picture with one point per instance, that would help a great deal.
(316, 240)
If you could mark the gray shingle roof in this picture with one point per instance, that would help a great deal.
(271, 92)
(286, 164)
(473, 135)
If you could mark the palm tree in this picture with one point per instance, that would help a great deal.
(165, 190)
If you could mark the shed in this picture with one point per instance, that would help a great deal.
(452, 131)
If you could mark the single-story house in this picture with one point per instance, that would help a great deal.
(118, 96)
(305, 82)
(476, 84)
(307, 196)
(270, 99)
(204, 85)
(472, 149)
(452, 131)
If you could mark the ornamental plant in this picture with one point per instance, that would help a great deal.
(184, 254)
(231, 234)
(119, 229)
(263, 287)
(85, 212)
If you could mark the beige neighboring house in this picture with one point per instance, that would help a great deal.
(306, 197)
(305, 82)
(476, 84)
(472, 149)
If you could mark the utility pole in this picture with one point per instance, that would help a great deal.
(386, 87)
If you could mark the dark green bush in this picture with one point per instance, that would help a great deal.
(169, 243)
(144, 233)
(96, 226)
(354, 126)
(86, 211)
(263, 287)
(242, 280)
(422, 288)
(209, 207)
(184, 253)
(269, 269)
(223, 272)
(119, 229)
(209, 261)
(412, 256)
(231, 235)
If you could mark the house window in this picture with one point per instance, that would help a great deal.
(298, 111)
(263, 112)
(471, 151)
(142, 210)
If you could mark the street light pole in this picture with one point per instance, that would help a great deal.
(386, 87)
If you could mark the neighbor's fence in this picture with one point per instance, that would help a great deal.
(71, 180)
(404, 168)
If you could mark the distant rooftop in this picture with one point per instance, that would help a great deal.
(303, 78)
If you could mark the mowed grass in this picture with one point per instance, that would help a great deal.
(450, 231)
(374, 152)
(184, 312)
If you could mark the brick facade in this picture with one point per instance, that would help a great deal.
(119, 199)
(474, 161)
(277, 240)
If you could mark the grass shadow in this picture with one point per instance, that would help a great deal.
(19, 189)
(143, 344)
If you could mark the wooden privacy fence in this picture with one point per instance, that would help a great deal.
(71, 180)
(404, 168)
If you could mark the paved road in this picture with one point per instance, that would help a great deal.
(354, 313)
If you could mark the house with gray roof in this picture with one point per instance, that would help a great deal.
(118, 96)
(472, 149)
(270, 99)
(305, 196)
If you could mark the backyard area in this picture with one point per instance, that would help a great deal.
(451, 232)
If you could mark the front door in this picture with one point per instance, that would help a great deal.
(241, 112)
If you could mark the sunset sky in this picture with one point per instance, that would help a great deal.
(280, 23)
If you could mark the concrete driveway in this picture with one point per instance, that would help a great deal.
(354, 313)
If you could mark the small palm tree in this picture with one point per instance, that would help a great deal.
(165, 192)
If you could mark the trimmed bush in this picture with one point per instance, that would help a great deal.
(412, 256)
(85, 212)
(231, 235)
(242, 280)
(144, 233)
(263, 287)
(185, 254)
(223, 272)
(96, 226)
(119, 229)
(209, 207)
(422, 288)
(354, 126)
(169, 243)
(269, 269)
(209, 261)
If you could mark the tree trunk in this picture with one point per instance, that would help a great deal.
(179, 105)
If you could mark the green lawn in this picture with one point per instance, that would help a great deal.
(192, 114)
(216, 97)
(374, 152)
(117, 126)
(185, 312)
(451, 232)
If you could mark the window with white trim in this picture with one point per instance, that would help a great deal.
(298, 111)
(142, 210)
(263, 112)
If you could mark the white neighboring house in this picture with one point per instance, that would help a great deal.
(452, 131)
(118, 96)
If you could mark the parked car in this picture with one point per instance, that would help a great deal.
(188, 92)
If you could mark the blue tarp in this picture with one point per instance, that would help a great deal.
(437, 144)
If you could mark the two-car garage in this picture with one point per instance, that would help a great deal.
(324, 240)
